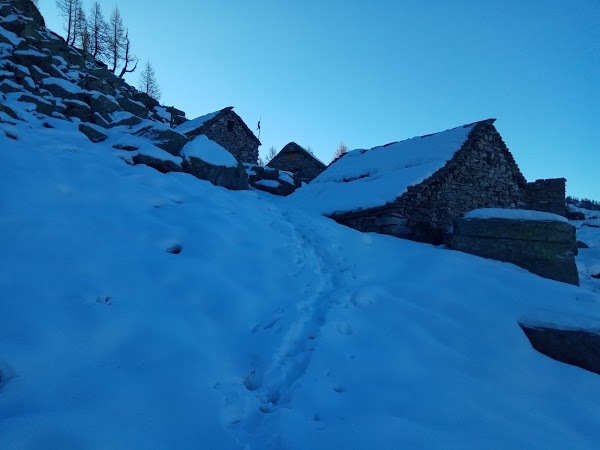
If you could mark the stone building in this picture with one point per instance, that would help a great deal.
(415, 188)
(294, 158)
(228, 130)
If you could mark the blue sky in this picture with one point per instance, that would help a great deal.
(367, 73)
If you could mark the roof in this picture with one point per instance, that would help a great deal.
(198, 122)
(292, 147)
(365, 179)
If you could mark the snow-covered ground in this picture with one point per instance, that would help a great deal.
(270, 328)
(588, 259)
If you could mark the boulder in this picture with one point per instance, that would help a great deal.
(158, 164)
(271, 180)
(103, 105)
(145, 100)
(164, 138)
(135, 108)
(581, 244)
(579, 348)
(92, 132)
(41, 105)
(234, 178)
(546, 248)
(575, 215)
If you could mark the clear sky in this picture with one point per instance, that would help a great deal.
(368, 73)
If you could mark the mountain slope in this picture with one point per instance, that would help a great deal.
(268, 327)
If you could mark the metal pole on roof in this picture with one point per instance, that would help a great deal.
(258, 127)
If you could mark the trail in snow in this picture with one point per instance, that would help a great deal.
(272, 383)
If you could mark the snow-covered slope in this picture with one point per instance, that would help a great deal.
(142, 310)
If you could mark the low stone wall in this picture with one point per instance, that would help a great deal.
(546, 248)
(547, 195)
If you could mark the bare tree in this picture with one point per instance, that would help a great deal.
(76, 21)
(309, 150)
(98, 32)
(81, 35)
(270, 155)
(116, 38)
(148, 83)
(67, 10)
(128, 57)
(340, 151)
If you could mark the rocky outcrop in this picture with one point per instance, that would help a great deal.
(546, 248)
(579, 348)
(273, 181)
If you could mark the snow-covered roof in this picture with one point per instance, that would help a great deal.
(364, 179)
(196, 123)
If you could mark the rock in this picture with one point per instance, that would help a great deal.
(145, 100)
(164, 138)
(271, 180)
(234, 178)
(596, 276)
(28, 8)
(103, 105)
(581, 244)
(575, 215)
(135, 108)
(92, 132)
(158, 164)
(576, 347)
(41, 105)
(546, 248)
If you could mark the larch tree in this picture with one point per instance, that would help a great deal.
(116, 39)
(98, 32)
(270, 154)
(67, 10)
(340, 151)
(81, 32)
(148, 83)
(128, 57)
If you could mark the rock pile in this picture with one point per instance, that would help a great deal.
(42, 75)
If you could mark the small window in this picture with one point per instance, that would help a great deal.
(230, 125)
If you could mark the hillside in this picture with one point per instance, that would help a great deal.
(148, 310)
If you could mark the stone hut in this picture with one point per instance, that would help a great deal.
(296, 159)
(228, 130)
(415, 188)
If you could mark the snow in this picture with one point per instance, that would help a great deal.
(11, 37)
(208, 151)
(196, 123)
(285, 176)
(514, 214)
(162, 112)
(72, 88)
(30, 53)
(268, 183)
(273, 328)
(364, 179)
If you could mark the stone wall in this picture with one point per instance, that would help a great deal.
(229, 131)
(295, 159)
(547, 195)
(482, 173)
(546, 248)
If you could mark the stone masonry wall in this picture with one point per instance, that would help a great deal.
(482, 173)
(547, 195)
(300, 163)
(228, 130)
